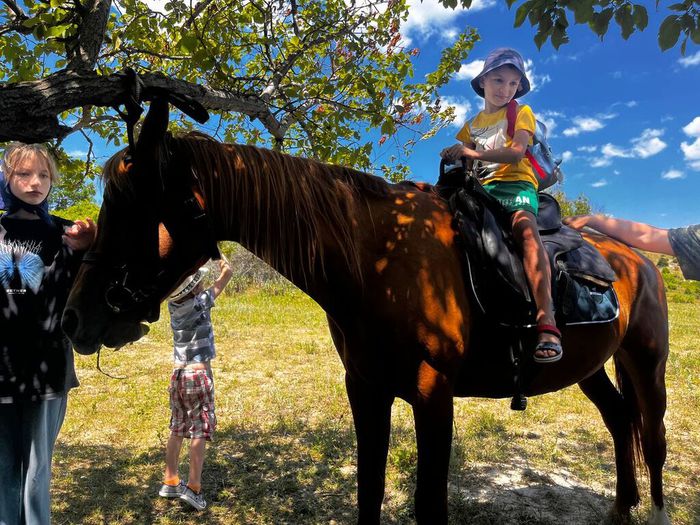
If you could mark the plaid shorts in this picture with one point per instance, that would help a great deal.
(192, 403)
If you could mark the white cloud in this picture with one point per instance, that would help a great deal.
(583, 125)
(610, 150)
(535, 79)
(693, 128)
(566, 156)
(469, 70)
(429, 17)
(692, 60)
(673, 174)
(157, 6)
(691, 150)
(76, 154)
(462, 109)
(587, 149)
(599, 183)
(600, 162)
(646, 145)
(548, 119)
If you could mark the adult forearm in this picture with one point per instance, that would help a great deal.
(635, 234)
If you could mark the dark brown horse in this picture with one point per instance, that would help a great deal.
(381, 260)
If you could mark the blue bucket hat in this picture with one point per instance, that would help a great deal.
(500, 57)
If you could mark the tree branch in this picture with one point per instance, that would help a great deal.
(91, 34)
(30, 109)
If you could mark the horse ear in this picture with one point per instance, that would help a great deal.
(154, 127)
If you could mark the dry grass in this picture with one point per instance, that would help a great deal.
(284, 451)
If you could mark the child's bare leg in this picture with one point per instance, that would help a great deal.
(197, 447)
(172, 456)
(537, 271)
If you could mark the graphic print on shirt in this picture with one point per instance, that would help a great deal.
(21, 267)
(488, 138)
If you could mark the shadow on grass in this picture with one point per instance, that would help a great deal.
(293, 473)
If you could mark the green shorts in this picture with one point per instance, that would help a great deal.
(514, 196)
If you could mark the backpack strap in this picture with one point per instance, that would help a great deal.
(511, 116)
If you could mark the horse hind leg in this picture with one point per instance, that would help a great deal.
(645, 375)
(619, 421)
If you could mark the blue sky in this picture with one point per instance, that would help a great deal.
(624, 115)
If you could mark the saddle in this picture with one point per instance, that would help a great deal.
(582, 279)
(581, 276)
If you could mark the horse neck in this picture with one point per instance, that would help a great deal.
(292, 213)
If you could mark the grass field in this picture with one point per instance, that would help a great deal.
(284, 451)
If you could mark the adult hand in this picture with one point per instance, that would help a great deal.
(577, 222)
(81, 235)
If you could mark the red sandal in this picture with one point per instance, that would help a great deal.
(548, 345)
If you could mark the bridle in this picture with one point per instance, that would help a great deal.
(179, 209)
(185, 218)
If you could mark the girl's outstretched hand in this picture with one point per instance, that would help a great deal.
(80, 236)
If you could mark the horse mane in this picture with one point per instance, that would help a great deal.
(281, 207)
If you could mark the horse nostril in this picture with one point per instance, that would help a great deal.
(70, 322)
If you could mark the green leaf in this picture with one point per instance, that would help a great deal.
(187, 44)
(678, 7)
(56, 31)
(510, 3)
(669, 31)
(541, 38)
(641, 18)
(624, 19)
(559, 37)
(695, 35)
(583, 11)
(521, 14)
(601, 21)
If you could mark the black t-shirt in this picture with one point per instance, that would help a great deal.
(686, 246)
(36, 273)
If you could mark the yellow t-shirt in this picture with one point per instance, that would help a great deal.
(490, 131)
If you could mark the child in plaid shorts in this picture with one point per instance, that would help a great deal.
(192, 384)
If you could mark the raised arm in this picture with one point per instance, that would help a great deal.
(635, 234)
(224, 277)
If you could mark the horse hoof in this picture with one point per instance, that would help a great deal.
(658, 516)
(615, 517)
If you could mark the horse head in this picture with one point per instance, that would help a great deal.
(151, 235)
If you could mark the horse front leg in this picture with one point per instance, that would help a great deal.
(371, 411)
(433, 411)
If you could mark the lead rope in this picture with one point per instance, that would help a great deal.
(99, 367)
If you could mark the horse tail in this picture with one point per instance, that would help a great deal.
(629, 395)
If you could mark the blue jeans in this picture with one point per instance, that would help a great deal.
(28, 431)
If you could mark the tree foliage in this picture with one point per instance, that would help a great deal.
(552, 18)
(577, 206)
(327, 79)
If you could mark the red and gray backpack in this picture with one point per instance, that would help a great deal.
(546, 166)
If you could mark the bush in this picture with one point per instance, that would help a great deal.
(251, 272)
